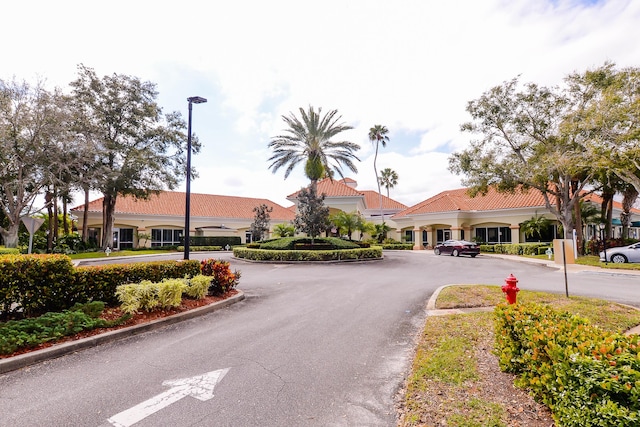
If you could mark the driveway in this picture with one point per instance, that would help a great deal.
(311, 345)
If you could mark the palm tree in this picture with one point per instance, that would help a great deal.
(378, 135)
(346, 222)
(388, 178)
(535, 225)
(309, 139)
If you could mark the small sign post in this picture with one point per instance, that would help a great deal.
(32, 225)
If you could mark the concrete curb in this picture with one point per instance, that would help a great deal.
(23, 360)
(433, 311)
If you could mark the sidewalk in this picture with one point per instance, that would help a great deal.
(571, 268)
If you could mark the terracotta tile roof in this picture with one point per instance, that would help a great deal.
(343, 188)
(333, 188)
(459, 200)
(202, 205)
(372, 201)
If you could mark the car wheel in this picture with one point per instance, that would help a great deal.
(618, 259)
(436, 251)
(455, 253)
(473, 255)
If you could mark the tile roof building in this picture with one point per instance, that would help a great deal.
(493, 218)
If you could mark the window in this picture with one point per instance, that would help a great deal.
(493, 234)
(408, 236)
(126, 238)
(166, 237)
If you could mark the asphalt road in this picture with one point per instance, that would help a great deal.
(311, 345)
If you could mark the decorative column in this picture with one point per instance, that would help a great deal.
(515, 233)
(417, 239)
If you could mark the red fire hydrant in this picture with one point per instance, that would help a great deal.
(510, 289)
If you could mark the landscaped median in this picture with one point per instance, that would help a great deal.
(43, 321)
(570, 352)
(290, 249)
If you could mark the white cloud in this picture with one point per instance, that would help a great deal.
(411, 66)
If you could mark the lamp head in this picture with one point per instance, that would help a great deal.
(197, 100)
(601, 226)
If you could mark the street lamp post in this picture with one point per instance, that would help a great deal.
(602, 226)
(187, 208)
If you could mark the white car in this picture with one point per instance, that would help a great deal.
(622, 254)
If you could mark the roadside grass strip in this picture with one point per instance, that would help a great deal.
(445, 375)
(449, 383)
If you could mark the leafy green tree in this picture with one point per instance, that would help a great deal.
(312, 216)
(346, 223)
(378, 135)
(528, 140)
(388, 179)
(30, 129)
(284, 230)
(138, 149)
(612, 119)
(260, 225)
(309, 139)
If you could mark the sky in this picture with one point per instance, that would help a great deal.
(411, 66)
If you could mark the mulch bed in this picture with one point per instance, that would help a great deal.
(112, 313)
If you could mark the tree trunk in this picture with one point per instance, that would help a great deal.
(578, 218)
(48, 198)
(65, 214)
(108, 208)
(56, 225)
(375, 169)
(85, 215)
(10, 235)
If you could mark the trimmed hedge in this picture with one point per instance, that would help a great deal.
(325, 243)
(586, 376)
(515, 248)
(200, 248)
(292, 255)
(221, 241)
(35, 284)
(398, 246)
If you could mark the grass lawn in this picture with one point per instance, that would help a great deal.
(85, 255)
(450, 382)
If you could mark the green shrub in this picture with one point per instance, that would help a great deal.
(398, 246)
(290, 243)
(197, 286)
(586, 376)
(292, 255)
(170, 292)
(514, 248)
(201, 248)
(28, 333)
(219, 271)
(9, 251)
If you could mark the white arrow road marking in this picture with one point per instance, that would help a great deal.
(201, 387)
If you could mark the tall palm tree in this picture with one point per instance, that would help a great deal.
(388, 178)
(308, 139)
(378, 135)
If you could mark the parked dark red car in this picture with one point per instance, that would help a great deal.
(457, 248)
